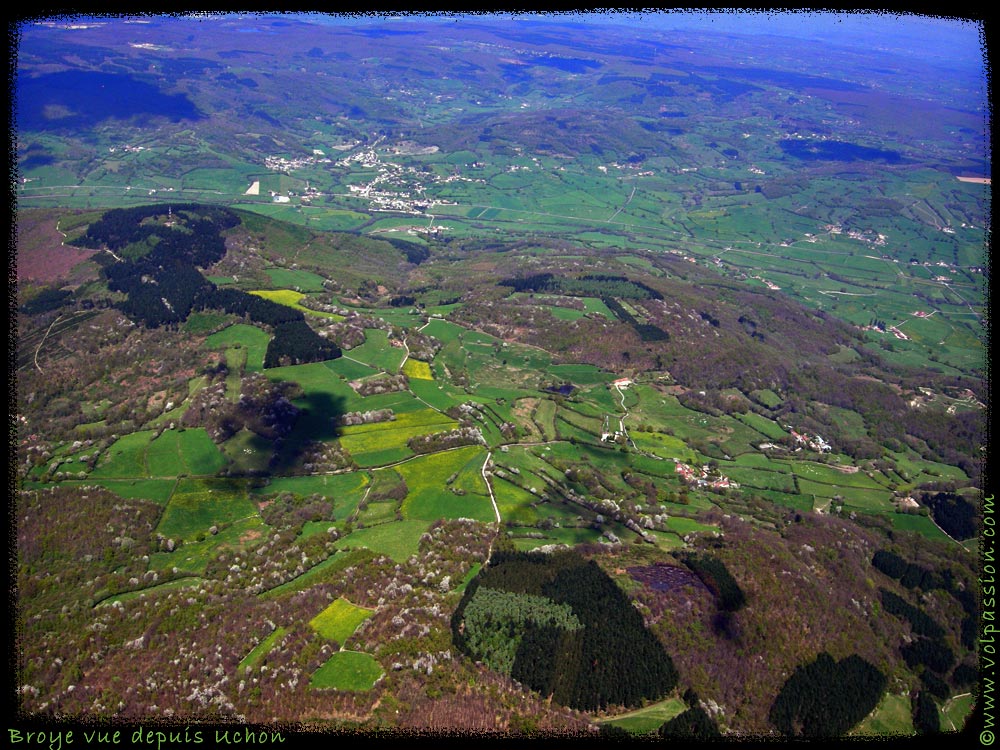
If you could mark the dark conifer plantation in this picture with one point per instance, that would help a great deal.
(612, 660)
(826, 698)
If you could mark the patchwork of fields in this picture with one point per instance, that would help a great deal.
(536, 440)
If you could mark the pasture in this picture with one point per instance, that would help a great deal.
(192, 556)
(397, 540)
(343, 490)
(198, 504)
(295, 278)
(126, 458)
(648, 719)
(261, 650)
(376, 351)
(371, 444)
(184, 452)
(432, 496)
(339, 620)
(154, 490)
(891, 717)
(248, 337)
(292, 298)
(351, 671)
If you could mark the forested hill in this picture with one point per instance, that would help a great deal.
(154, 256)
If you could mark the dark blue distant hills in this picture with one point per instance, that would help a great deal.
(75, 99)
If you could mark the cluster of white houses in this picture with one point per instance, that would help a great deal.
(816, 443)
(700, 477)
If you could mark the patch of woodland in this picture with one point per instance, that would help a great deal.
(611, 660)
(263, 407)
(107, 375)
(826, 698)
(379, 384)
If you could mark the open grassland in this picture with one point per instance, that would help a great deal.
(891, 717)
(370, 443)
(648, 719)
(377, 352)
(198, 504)
(658, 444)
(530, 538)
(825, 474)
(437, 394)
(343, 490)
(201, 323)
(251, 338)
(780, 480)
(921, 524)
(339, 620)
(516, 504)
(320, 384)
(544, 418)
(295, 278)
(325, 571)
(261, 650)
(445, 331)
(955, 712)
(125, 458)
(192, 557)
(682, 526)
(766, 427)
(183, 452)
(580, 374)
(919, 470)
(398, 539)
(349, 369)
(160, 588)
(351, 671)
(155, 490)
(292, 298)
(248, 452)
(447, 485)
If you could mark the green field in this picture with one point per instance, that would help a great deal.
(955, 712)
(920, 524)
(350, 369)
(431, 496)
(339, 620)
(177, 583)
(351, 671)
(183, 452)
(126, 458)
(343, 490)
(251, 338)
(568, 535)
(377, 352)
(370, 444)
(398, 539)
(292, 298)
(648, 719)
(891, 717)
(155, 490)
(191, 557)
(295, 278)
(261, 650)
(198, 504)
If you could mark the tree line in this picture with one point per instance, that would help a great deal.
(163, 285)
(611, 660)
